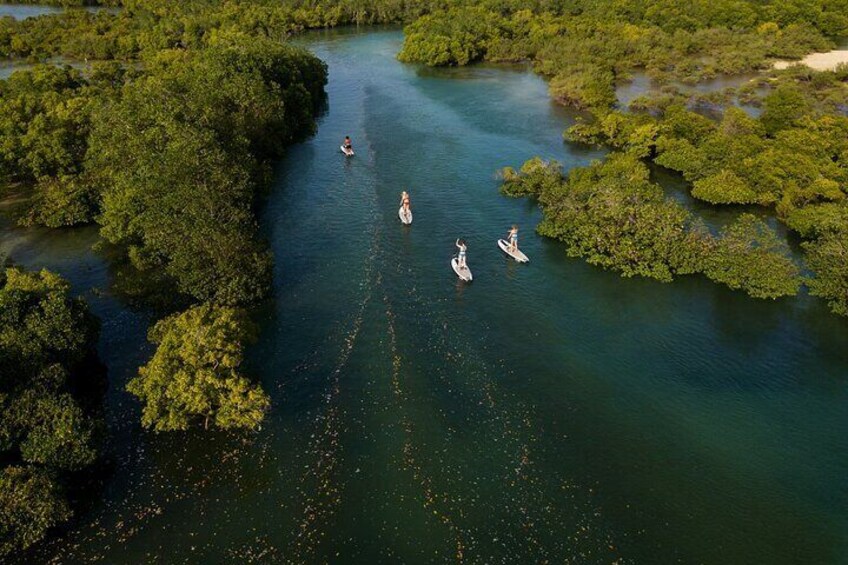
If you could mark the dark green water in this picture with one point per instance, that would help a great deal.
(548, 411)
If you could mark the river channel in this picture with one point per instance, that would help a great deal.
(549, 411)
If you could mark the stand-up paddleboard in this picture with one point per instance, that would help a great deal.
(517, 254)
(347, 151)
(464, 273)
(405, 217)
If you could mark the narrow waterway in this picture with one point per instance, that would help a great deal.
(545, 412)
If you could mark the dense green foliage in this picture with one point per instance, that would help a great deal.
(585, 47)
(168, 150)
(181, 153)
(748, 255)
(614, 216)
(76, 34)
(195, 373)
(45, 124)
(737, 160)
(169, 160)
(793, 159)
(70, 3)
(144, 27)
(456, 37)
(30, 504)
(827, 257)
(48, 424)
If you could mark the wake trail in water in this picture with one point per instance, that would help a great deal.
(440, 501)
(440, 505)
(528, 501)
(321, 494)
(319, 485)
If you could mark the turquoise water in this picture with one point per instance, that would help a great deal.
(548, 411)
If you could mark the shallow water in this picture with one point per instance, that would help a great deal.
(10, 66)
(24, 11)
(548, 411)
(641, 85)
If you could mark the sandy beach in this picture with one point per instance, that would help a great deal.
(819, 61)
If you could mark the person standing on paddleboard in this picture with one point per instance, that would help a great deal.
(512, 237)
(460, 259)
(404, 202)
(347, 143)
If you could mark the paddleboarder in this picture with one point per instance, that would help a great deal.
(512, 237)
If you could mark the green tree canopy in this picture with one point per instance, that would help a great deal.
(750, 256)
(40, 325)
(180, 159)
(30, 504)
(827, 258)
(195, 374)
(611, 214)
(47, 427)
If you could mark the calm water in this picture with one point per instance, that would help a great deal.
(641, 85)
(548, 411)
(24, 11)
(10, 66)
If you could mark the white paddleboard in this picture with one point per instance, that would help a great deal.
(405, 218)
(347, 152)
(464, 273)
(517, 254)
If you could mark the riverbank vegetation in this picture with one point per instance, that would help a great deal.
(70, 3)
(50, 418)
(614, 216)
(195, 372)
(792, 161)
(165, 141)
(164, 129)
(586, 48)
